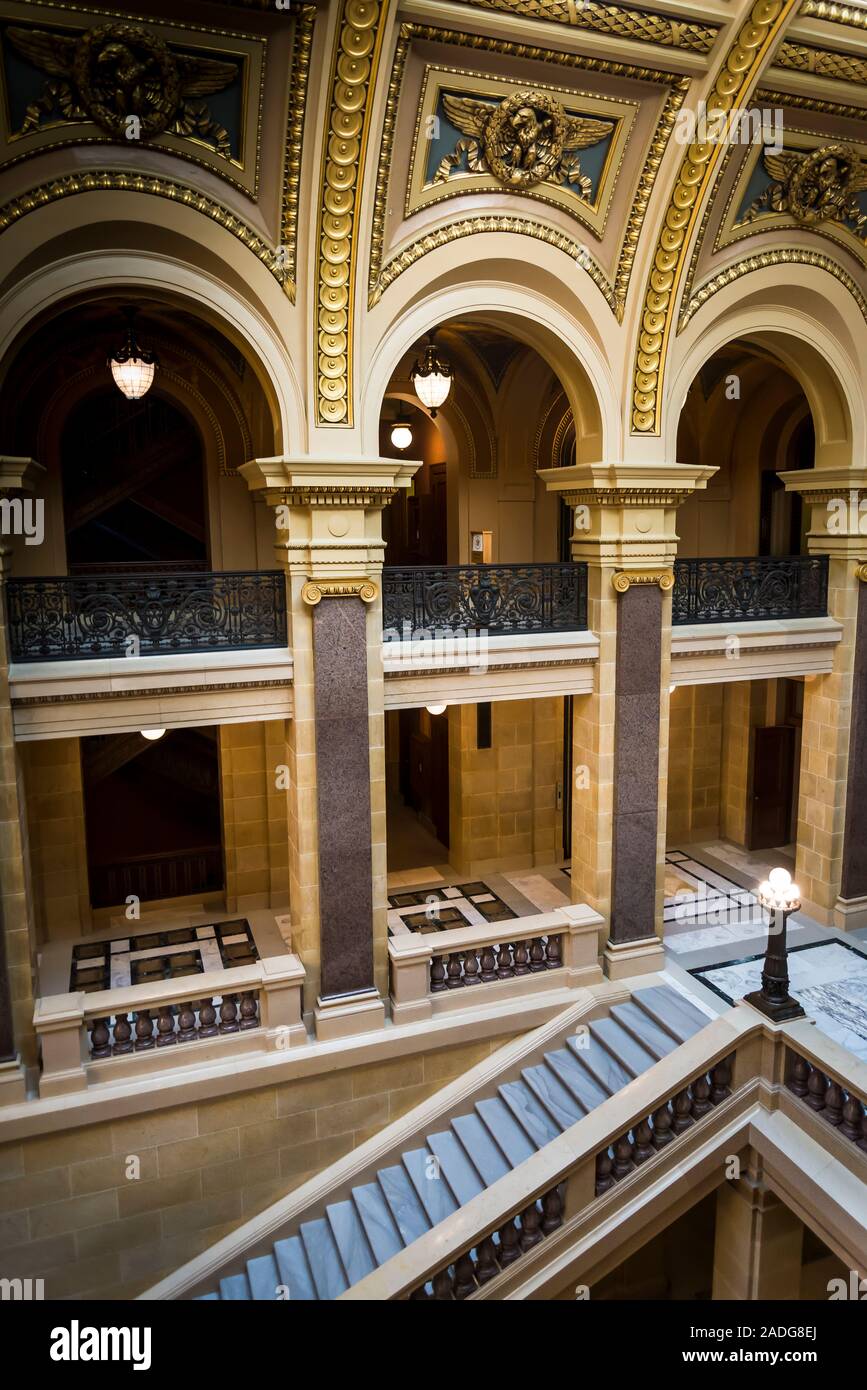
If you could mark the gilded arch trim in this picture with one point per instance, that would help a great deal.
(762, 261)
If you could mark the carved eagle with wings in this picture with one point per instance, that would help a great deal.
(523, 140)
(821, 186)
(127, 80)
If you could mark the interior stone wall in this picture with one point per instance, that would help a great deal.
(255, 814)
(58, 845)
(695, 763)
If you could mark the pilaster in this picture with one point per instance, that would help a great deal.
(758, 1244)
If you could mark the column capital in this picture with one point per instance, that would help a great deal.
(19, 474)
(837, 498)
(348, 482)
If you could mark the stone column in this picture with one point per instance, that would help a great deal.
(758, 1244)
(624, 531)
(17, 935)
(831, 861)
(329, 541)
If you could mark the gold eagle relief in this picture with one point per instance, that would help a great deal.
(525, 140)
(126, 80)
(822, 186)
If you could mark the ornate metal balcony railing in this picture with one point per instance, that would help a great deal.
(500, 599)
(747, 590)
(83, 617)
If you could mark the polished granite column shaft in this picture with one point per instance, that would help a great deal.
(854, 876)
(636, 764)
(7, 1028)
(343, 796)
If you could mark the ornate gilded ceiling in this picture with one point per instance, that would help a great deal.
(343, 142)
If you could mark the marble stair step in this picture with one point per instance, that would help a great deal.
(671, 1011)
(509, 1135)
(530, 1114)
(352, 1244)
(431, 1186)
(542, 1080)
(235, 1286)
(264, 1278)
(577, 1079)
(608, 1033)
(323, 1258)
(409, 1214)
(459, 1171)
(487, 1158)
(294, 1270)
(606, 1070)
(642, 1027)
(379, 1226)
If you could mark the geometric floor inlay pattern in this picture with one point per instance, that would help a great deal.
(164, 955)
(708, 909)
(428, 910)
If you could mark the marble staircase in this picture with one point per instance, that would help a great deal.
(353, 1237)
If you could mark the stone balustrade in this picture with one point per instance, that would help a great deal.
(833, 1087)
(436, 972)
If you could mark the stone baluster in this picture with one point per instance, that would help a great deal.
(623, 1159)
(701, 1102)
(186, 1023)
(797, 1082)
(553, 954)
(552, 1211)
(207, 1019)
(852, 1114)
(721, 1076)
(682, 1112)
(509, 1249)
(144, 1031)
(471, 969)
(531, 1233)
(522, 958)
(249, 1011)
(816, 1088)
(465, 1276)
(489, 961)
(505, 970)
(643, 1142)
(662, 1134)
(100, 1038)
(437, 975)
(122, 1035)
(454, 971)
(834, 1103)
(166, 1026)
(604, 1180)
(442, 1286)
(537, 955)
(229, 1014)
(486, 1264)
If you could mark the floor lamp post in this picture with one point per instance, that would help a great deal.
(780, 896)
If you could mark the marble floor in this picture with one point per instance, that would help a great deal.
(166, 955)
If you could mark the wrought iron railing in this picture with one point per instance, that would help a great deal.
(745, 590)
(500, 599)
(81, 617)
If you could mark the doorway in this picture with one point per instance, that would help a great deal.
(418, 788)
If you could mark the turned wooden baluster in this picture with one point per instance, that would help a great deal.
(682, 1112)
(454, 972)
(122, 1035)
(700, 1097)
(144, 1031)
(100, 1038)
(489, 961)
(442, 1286)
(834, 1103)
(166, 1026)
(471, 969)
(510, 1251)
(505, 970)
(531, 1233)
(537, 955)
(720, 1076)
(486, 1265)
(465, 1276)
(553, 956)
(552, 1211)
(643, 1142)
(800, 1076)
(437, 975)
(229, 1014)
(604, 1180)
(816, 1088)
(522, 958)
(852, 1114)
(186, 1023)
(623, 1160)
(662, 1134)
(249, 1011)
(207, 1019)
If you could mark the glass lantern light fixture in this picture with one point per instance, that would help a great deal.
(432, 377)
(401, 430)
(133, 367)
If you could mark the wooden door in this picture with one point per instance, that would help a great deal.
(773, 764)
